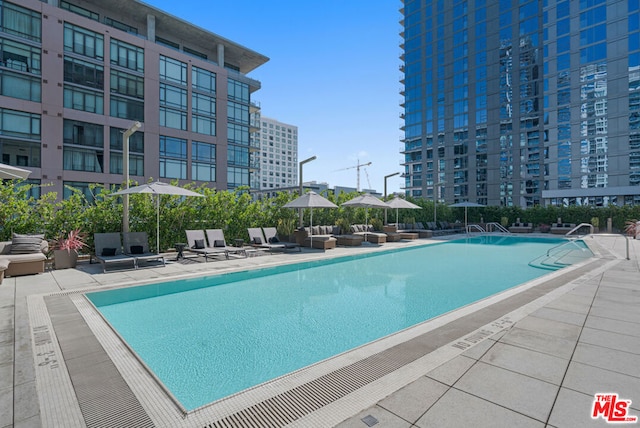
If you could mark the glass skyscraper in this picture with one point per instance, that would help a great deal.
(520, 103)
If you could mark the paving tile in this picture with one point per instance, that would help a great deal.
(572, 303)
(522, 394)
(527, 362)
(414, 399)
(591, 380)
(477, 351)
(573, 409)
(539, 342)
(623, 314)
(382, 419)
(452, 370)
(6, 375)
(559, 329)
(25, 402)
(459, 409)
(608, 359)
(616, 326)
(560, 315)
(612, 340)
(6, 407)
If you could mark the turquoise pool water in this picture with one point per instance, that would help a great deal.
(210, 337)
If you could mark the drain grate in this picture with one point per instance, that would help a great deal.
(104, 397)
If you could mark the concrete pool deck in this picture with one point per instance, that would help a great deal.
(540, 366)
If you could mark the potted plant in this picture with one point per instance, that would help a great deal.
(66, 247)
(285, 228)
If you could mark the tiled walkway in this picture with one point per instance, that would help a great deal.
(543, 370)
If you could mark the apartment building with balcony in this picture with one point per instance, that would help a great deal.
(75, 74)
(278, 156)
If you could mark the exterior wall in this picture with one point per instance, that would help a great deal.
(50, 170)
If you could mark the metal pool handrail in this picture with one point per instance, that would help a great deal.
(579, 226)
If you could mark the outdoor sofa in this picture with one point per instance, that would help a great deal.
(23, 255)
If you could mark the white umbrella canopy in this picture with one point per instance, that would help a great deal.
(8, 172)
(310, 200)
(158, 188)
(366, 201)
(398, 203)
(466, 205)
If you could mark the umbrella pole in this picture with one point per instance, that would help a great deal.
(157, 224)
(311, 230)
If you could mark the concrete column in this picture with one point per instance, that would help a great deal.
(220, 54)
(151, 28)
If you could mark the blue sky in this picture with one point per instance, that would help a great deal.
(333, 72)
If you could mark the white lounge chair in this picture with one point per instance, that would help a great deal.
(217, 241)
(136, 245)
(197, 242)
(109, 250)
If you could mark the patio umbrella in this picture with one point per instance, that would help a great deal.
(8, 172)
(466, 205)
(366, 201)
(310, 200)
(158, 188)
(398, 203)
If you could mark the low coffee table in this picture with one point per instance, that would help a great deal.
(349, 240)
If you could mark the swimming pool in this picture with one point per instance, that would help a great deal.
(210, 337)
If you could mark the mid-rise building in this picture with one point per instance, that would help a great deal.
(520, 103)
(278, 156)
(75, 74)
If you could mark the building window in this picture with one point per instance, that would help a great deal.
(238, 113)
(136, 152)
(173, 157)
(126, 108)
(20, 57)
(127, 84)
(127, 56)
(20, 152)
(19, 124)
(238, 91)
(203, 165)
(203, 80)
(90, 156)
(173, 70)
(238, 134)
(237, 177)
(79, 10)
(84, 100)
(193, 52)
(203, 125)
(20, 86)
(83, 42)
(83, 73)
(120, 25)
(167, 43)
(171, 118)
(19, 21)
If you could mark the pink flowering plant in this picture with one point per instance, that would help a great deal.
(73, 241)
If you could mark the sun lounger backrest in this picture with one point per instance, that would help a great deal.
(214, 235)
(107, 240)
(270, 233)
(135, 238)
(193, 235)
(256, 232)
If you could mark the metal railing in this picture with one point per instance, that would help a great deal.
(490, 227)
(581, 225)
(470, 228)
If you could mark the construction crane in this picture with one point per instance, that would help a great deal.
(357, 167)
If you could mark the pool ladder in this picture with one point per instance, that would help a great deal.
(490, 227)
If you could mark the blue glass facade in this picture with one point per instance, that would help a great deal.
(507, 103)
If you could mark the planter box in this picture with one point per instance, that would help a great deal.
(64, 259)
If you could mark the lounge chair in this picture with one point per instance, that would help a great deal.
(257, 240)
(136, 245)
(109, 250)
(271, 235)
(197, 242)
(216, 240)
